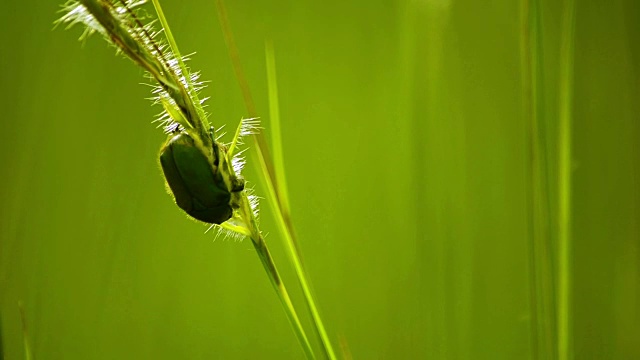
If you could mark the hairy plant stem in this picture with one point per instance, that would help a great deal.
(174, 47)
(155, 65)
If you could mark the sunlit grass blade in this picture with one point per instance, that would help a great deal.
(269, 265)
(276, 281)
(281, 209)
(565, 342)
(276, 133)
(271, 181)
(261, 149)
(248, 216)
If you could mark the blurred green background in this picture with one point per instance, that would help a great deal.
(408, 147)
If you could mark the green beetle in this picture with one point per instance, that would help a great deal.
(198, 188)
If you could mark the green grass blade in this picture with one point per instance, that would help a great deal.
(265, 164)
(281, 290)
(282, 210)
(269, 265)
(565, 351)
(272, 181)
(276, 133)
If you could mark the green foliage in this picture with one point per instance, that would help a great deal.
(410, 150)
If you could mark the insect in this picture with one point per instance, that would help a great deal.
(196, 167)
(197, 186)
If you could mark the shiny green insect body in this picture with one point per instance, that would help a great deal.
(198, 187)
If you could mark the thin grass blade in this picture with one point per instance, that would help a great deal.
(565, 342)
(282, 210)
(271, 182)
